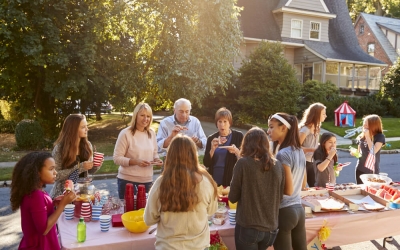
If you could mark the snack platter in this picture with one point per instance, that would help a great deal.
(362, 199)
(322, 201)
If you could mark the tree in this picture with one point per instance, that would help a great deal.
(390, 89)
(390, 8)
(55, 54)
(267, 84)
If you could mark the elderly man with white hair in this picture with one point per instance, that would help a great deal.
(180, 122)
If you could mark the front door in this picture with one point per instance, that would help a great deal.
(307, 73)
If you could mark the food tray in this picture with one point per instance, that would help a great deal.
(357, 196)
(317, 207)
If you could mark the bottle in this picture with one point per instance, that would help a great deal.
(81, 230)
(355, 152)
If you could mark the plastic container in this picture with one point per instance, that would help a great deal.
(133, 221)
(355, 152)
(129, 203)
(81, 230)
(375, 180)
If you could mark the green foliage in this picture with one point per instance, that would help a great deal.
(7, 126)
(389, 8)
(313, 91)
(367, 105)
(267, 84)
(390, 89)
(55, 53)
(29, 134)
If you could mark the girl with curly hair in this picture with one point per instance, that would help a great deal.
(38, 217)
(72, 152)
(181, 199)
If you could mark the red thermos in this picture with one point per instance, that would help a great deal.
(141, 197)
(129, 197)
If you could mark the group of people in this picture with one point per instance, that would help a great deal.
(265, 171)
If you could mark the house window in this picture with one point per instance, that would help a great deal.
(297, 26)
(315, 30)
(361, 29)
(371, 49)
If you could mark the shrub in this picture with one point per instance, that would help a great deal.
(367, 105)
(29, 134)
(7, 126)
(390, 88)
(267, 84)
(327, 93)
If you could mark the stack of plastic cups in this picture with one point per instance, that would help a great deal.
(129, 206)
(85, 211)
(330, 186)
(69, 211)
(141, 197)
(232, 216)
(105, 221)
(96, 212)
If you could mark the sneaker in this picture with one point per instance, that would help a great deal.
(389, 239)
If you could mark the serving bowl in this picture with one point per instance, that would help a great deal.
(375, 180)
(133, 221)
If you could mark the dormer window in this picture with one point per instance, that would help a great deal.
(297, 27)
(361, 29)
(315, 31)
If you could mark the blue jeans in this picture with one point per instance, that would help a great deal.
(122, 184)
(250, 238)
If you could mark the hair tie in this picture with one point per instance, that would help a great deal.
(281, 119)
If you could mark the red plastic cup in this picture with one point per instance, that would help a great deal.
(97, 159)
(129, 197)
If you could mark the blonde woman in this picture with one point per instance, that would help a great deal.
(136, 151)
(181, 199)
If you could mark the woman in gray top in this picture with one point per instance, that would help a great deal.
(310, 126)
(258, 185)
(284, 132)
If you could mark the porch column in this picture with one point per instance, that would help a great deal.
(367, 83)
(323, 72)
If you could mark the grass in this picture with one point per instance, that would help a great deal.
(388, 146)
(390, 125)
(108, 167)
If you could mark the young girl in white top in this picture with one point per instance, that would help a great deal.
(181, 199)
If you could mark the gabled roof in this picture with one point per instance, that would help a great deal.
(372, 22)
(258, 22)
(392, 27)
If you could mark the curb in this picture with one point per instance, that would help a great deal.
(95, 177)
(390, 151)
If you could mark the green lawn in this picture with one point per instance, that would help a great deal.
(108, 168)
(390, 125)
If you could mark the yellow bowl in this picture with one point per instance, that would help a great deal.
(232, 205)
(133, 221)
